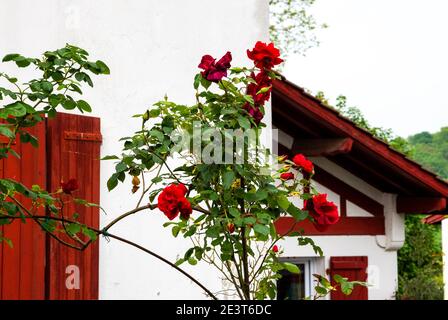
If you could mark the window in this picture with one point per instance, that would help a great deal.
(296, 286)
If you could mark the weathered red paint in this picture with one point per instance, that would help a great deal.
(353, 268)
(35, 268)
(22, 267)
(345, 226)
(420, 204)
(322, 147)
(74, 155)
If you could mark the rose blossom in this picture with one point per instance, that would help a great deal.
(287, 176)
(302, 162)
(324, 212)
(69, 186)
(215, 71)
(264, 56)
(262, 81)
(172, 201)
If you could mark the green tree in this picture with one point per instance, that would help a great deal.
(292, 28)
(431, 150)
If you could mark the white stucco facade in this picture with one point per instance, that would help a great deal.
(152, 48)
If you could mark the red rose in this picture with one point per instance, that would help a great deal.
(275, 248)
(324, 212)
(304, 163)
(287, 176)
(262, 81)
(254, 112)
(185, 208)
(172, 201)
(215, 71)
(264, 56)
(69, 186)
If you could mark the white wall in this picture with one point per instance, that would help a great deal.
(153, 48)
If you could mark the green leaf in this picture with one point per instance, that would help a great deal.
(10, 57)
(84, 106)
(227, 179)
(175, 231)
(46, 86)
(158, 134)
(296, 213)
(192, 261)
(90, 233)
(120, 167)
(249, 99)
(179, 262)
(262, 229)
(283, 202)
(234, 212)
(197, 81)
(22, 62)
(321, 290)
(16, 109)
(244, 122)
(5, 131)
(73, 228)
(111, 157)
(291, 267)
(68, 104)
(103, 67)
(154, 113)
(347, 288)
(112, 182)
(337, 278)
(249, 220)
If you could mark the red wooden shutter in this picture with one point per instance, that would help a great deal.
(22, 268)
(73, 144)
(353, 268)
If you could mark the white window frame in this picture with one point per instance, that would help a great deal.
(310, 264)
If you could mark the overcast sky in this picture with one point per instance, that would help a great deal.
(389, 57)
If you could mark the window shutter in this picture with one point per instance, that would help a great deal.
(22, 267)
(73, 146)
(353, 268)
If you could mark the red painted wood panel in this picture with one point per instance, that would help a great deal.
(353, 268)
(22, 267)
(77, 156)
(345, 226)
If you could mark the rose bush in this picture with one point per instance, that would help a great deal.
(224, 195)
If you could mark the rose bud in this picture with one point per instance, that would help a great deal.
(287, 176)
(231, 227)
(275, 248)
(282, 158)
(135, 181)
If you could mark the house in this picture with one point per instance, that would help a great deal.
(374, 186)
(153, 48)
